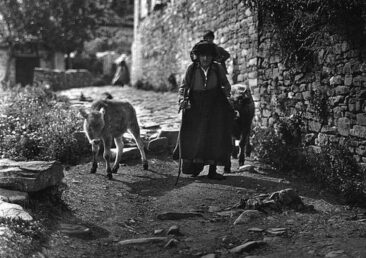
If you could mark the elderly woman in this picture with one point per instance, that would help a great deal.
(205, 135)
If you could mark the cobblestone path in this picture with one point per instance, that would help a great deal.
(153, 109)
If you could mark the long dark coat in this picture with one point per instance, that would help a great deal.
(205, 134)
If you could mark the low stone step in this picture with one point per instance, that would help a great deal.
(30, 176)
(13, 211)
(13, 196)
(158, 145)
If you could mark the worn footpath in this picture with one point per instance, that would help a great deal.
(142, 214)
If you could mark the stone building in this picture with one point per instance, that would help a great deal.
(165, 32)
(25, 58)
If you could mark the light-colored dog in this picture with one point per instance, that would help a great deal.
(107, 120)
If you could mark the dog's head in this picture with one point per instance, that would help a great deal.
(241, 95)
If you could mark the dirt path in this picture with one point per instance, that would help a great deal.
(100, 213)
(128, 207)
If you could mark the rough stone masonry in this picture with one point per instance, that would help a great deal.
(164, 37)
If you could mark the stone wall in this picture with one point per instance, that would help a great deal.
(60, 80)
(164, 38)
(338, 75)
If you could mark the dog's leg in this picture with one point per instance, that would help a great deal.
(135, 131)
(119, 144)
(107, 155)
(234, 152)
(241, 149)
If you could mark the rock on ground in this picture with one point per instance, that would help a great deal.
(31, 176)
(13, 196)
(13, 211)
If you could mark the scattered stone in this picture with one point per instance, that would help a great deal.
(153, 136)
(247, 168)
(151, 125)
(128, 154)
(158, 145)
(74, 230)
(230, 213)
(247, 216)
(178, 215)
(256, 230)
(31, 176)
(334, 254)
(253, 203)
(14, 196)
(288, 197)
(276, 231)
(171, 134)
(171, 243)
(138, 241)
(209, 256)
(13, 211)
(277, 201)
(214, 209)
(247, 247)
(158, 231)
(174, 230)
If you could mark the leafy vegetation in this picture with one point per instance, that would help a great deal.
(305, 26)
(332, 166)
(35, 124)
(21, 238)
(60, 25)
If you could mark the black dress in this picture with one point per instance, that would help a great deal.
(205, 134)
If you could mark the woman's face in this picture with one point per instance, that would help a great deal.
(205, 60)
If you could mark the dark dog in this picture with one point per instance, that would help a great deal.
(243, 105)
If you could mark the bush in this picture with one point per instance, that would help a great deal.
(280, 145)
(35, 124)
(22, 238)
(333, 167)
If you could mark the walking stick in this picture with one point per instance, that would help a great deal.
(180, 155)
(185, 105)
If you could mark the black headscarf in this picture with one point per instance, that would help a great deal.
(205, 47)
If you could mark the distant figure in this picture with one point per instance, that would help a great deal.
(222, 54)
(122, 75)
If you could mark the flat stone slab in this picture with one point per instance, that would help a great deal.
(142, 241)
(247, 216)
(74, 229)
(178, 215)
(30, 176)
(171, 134)
(158, 145)
(13, 211)
(130, 153)
(247, 247)
(151, 125)
(13, 196)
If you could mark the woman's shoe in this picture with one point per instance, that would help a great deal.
(212, 174)
(216, 176)
(197, 169)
